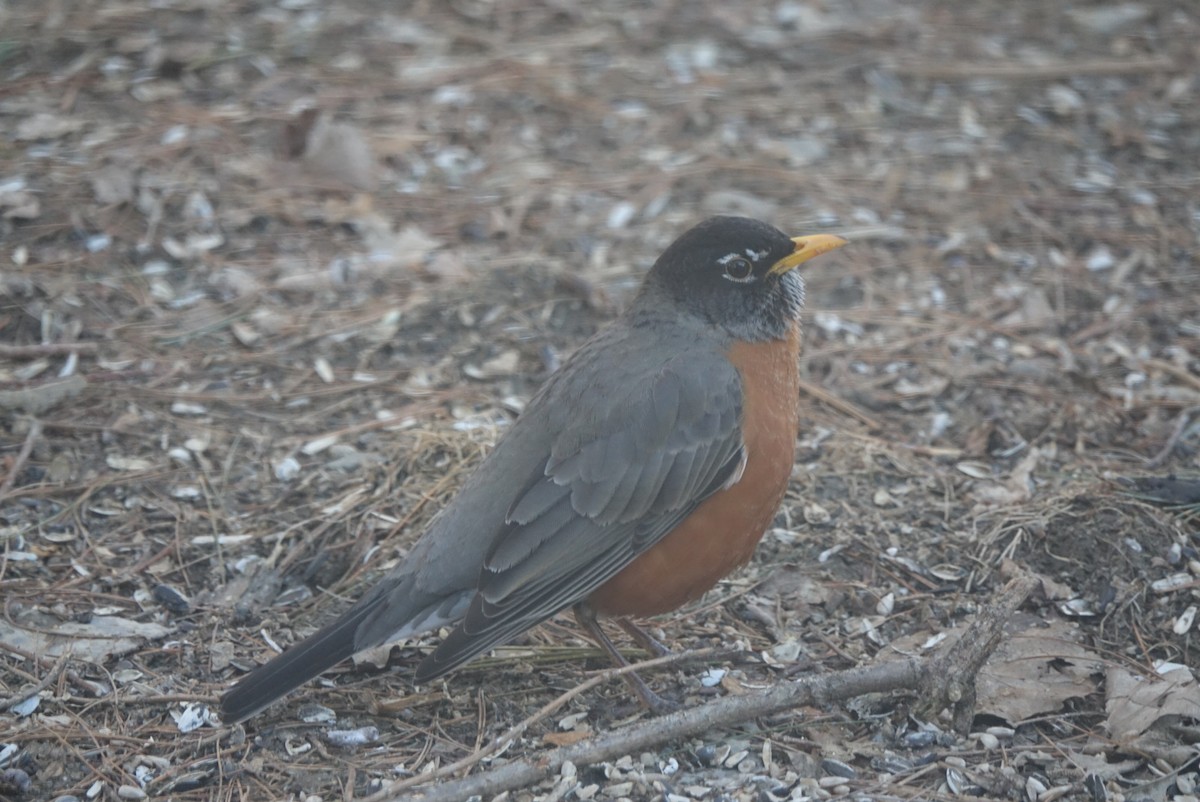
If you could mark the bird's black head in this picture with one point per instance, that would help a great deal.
(737, 274)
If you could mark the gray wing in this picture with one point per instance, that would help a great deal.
(611, 487)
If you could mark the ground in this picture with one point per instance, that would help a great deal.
(274, 275)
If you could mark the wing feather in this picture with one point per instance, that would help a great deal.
(610, 489)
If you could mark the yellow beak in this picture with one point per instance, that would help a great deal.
(806, 248)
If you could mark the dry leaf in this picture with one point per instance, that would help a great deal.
(100, 639)
(567, 738)
(1032, 672)
(1135, 702)
(1051, 588)
(19, 204)
(113, 184)
(1017, 488)
(1035, 672)
(46, 125)
(795, 587)
(39, 399)
(339, 151)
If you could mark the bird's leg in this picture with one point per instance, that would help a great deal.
(643, 638)
(586, 617)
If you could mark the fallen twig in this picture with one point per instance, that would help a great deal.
(950, 680)
(18, 465)
(840, 404)
(39, 398)
(946, 680)
(51, 677)
(972, 69)
(1181, 426)
(519, 729)
(45, 349)
(1183, 374)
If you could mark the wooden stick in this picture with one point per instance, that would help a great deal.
(1036, 72)
(946, 680)
(45, 349)
(840, 404)
(35, 431)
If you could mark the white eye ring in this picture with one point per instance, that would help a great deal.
(739, 269)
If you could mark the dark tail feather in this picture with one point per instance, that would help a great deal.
(293, 668)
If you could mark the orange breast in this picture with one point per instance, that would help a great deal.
(723, 531)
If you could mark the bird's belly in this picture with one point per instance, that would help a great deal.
(724, 530)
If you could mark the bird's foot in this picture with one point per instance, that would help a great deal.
(650, 700)
(643, 638)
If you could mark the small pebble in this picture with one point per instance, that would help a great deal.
(287, 469)
(318, 445)
(1185, 620)
(186, 408)
(97, 243)
(172, 599)
(837, 768)
(893, 764)
(988, 741)
(324, 370)
(352, 738)
(621, 214)
(919, 740)
(956, 782)
(1094, 784)
(816, 515)
(316, 714)
(17, 780)
(1171, 583)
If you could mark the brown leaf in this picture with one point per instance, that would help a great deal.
(1135, 702)
(731, 686)
(1035, 672)
(1032, 672)
(97, 641)
(567, 738)
(19, 205)
(336, 150)
(113, 184)
(46, 125)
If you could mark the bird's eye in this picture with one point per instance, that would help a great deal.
(739, 269)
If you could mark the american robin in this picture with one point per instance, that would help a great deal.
(644, 470)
